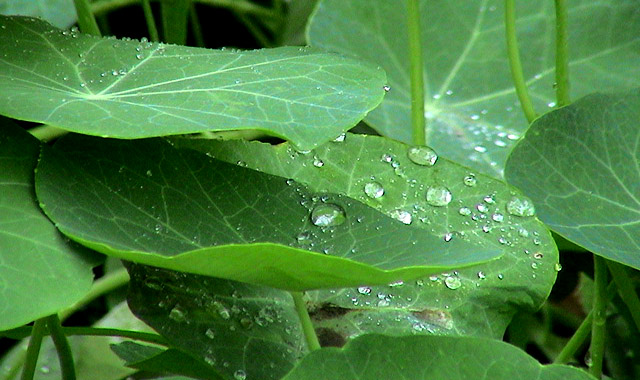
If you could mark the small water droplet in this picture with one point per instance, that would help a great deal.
(240, 375)
(210, 333)
(482, 207)
(438, 196)
(45, 369)
(489, 199)
(452, 282)
(149, 173)
(500, 276)
(464, 211)
(327, 215)
(209, 360)
(364, 290)
(177, 314)
(448, 236)
(341, 137)
(374, 190)
(470, 180)
(401, 215)
(534, 265)
(139, 56)
(497, 217)
(481, 275)
(386, 88)
(386, 158)
(304, 237)
(241, 163)
(557, 267)
(421, 155)
(317, 162)
(480, 149)
(520, 207)
(538, 255)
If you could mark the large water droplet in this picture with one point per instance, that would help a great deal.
(422, 155)
(374, 190)
(520, 207)
(401, 215)
(438, 196)
(452, 282)
(327, 215)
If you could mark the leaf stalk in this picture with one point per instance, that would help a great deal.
(599, 316)
(65, 356)
(562, 54)
(305, 320)
(86, 20)
(418, 124)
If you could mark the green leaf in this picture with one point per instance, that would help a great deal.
(60, 13)
(132, 89)
(41, 273)
(156, 360)
(472, 112)
(151, 203)
(379, 172)
(579, 164)
(234, 327)
(373, 357)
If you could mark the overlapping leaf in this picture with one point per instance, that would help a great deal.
(592, 198)
(472, 112)
(40, 271)
(374, 357)
(132, 89)
(60, 13)
(151, 203)
(386, 175)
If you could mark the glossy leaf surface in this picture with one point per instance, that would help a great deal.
(374, 357)
(40, 271)
(60, 13)
(232, 327)
(593, 198)
(472, 112)
(401, 182)
(134, 89)
(151, 203)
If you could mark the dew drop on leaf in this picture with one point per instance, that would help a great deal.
(421, 155)
(401, 215)
(438, 196)
(386, 88)
(464, 211)
(481, 275)
(240, 375)
(177, 314)
(210, 333)
(318, 163)
(452, 282)
(374, 190)
(327, 215)
(557, 267)
(364, 290)
(520, 207)
(470, 180)
(341, 137)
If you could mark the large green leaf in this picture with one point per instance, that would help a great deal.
(580, 165)
(151, 203)
(133, 89)
(40, 271)
(374, 357)
(483, 211)
(233, 328)
(472, 112)
(60, 13)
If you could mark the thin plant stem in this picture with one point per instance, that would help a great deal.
(86, 20)
(599, 316)
(514, 61)
(581, 334)
(60, 342)
(254, 29)
(562, 54)
(626, 290)
(33, 350)
(195, 25)
(244, 6)
(305, 320)
(418, 124)
(47, 132)
(100, 287)
(151, 22)
(24, 331)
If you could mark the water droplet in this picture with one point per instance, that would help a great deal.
(386, 88)
(374, 190)
(470, 180)
(448, 236)
(538, 255)
(303, 237)
(474, 117)
(139, 56)
(177, 314)
(480, 149)
(364, 290)
(318, 163)
(482, 207)
(520, 207)
(222, 311)
(551, 104)
(341, 137)
(149, 173)
(464, 211)
(240, 375)
(489, 199)
(327, 215)
(557, 267)
(210, 333)
(534, 265)
(209, 360)
(452, 282)
(241, 163)
(421, 155)
(500, 276)
(481, 275)
(401, 215)
(45, 369)
(497, 217)
(449, 92)
(438, 196)
(386, 158)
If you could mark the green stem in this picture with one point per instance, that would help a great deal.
(86, 20)
(47, 132)
(626, 290)
(194, 21)
(67, 367)
(562, 54)
(305, 320)
(254, 29)
(33, 351)
(514, 61)
(599, 316)
(418, 125)
(582, 333)
(23, 332)
(244, 6)
(104, 285)
(151, 22)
